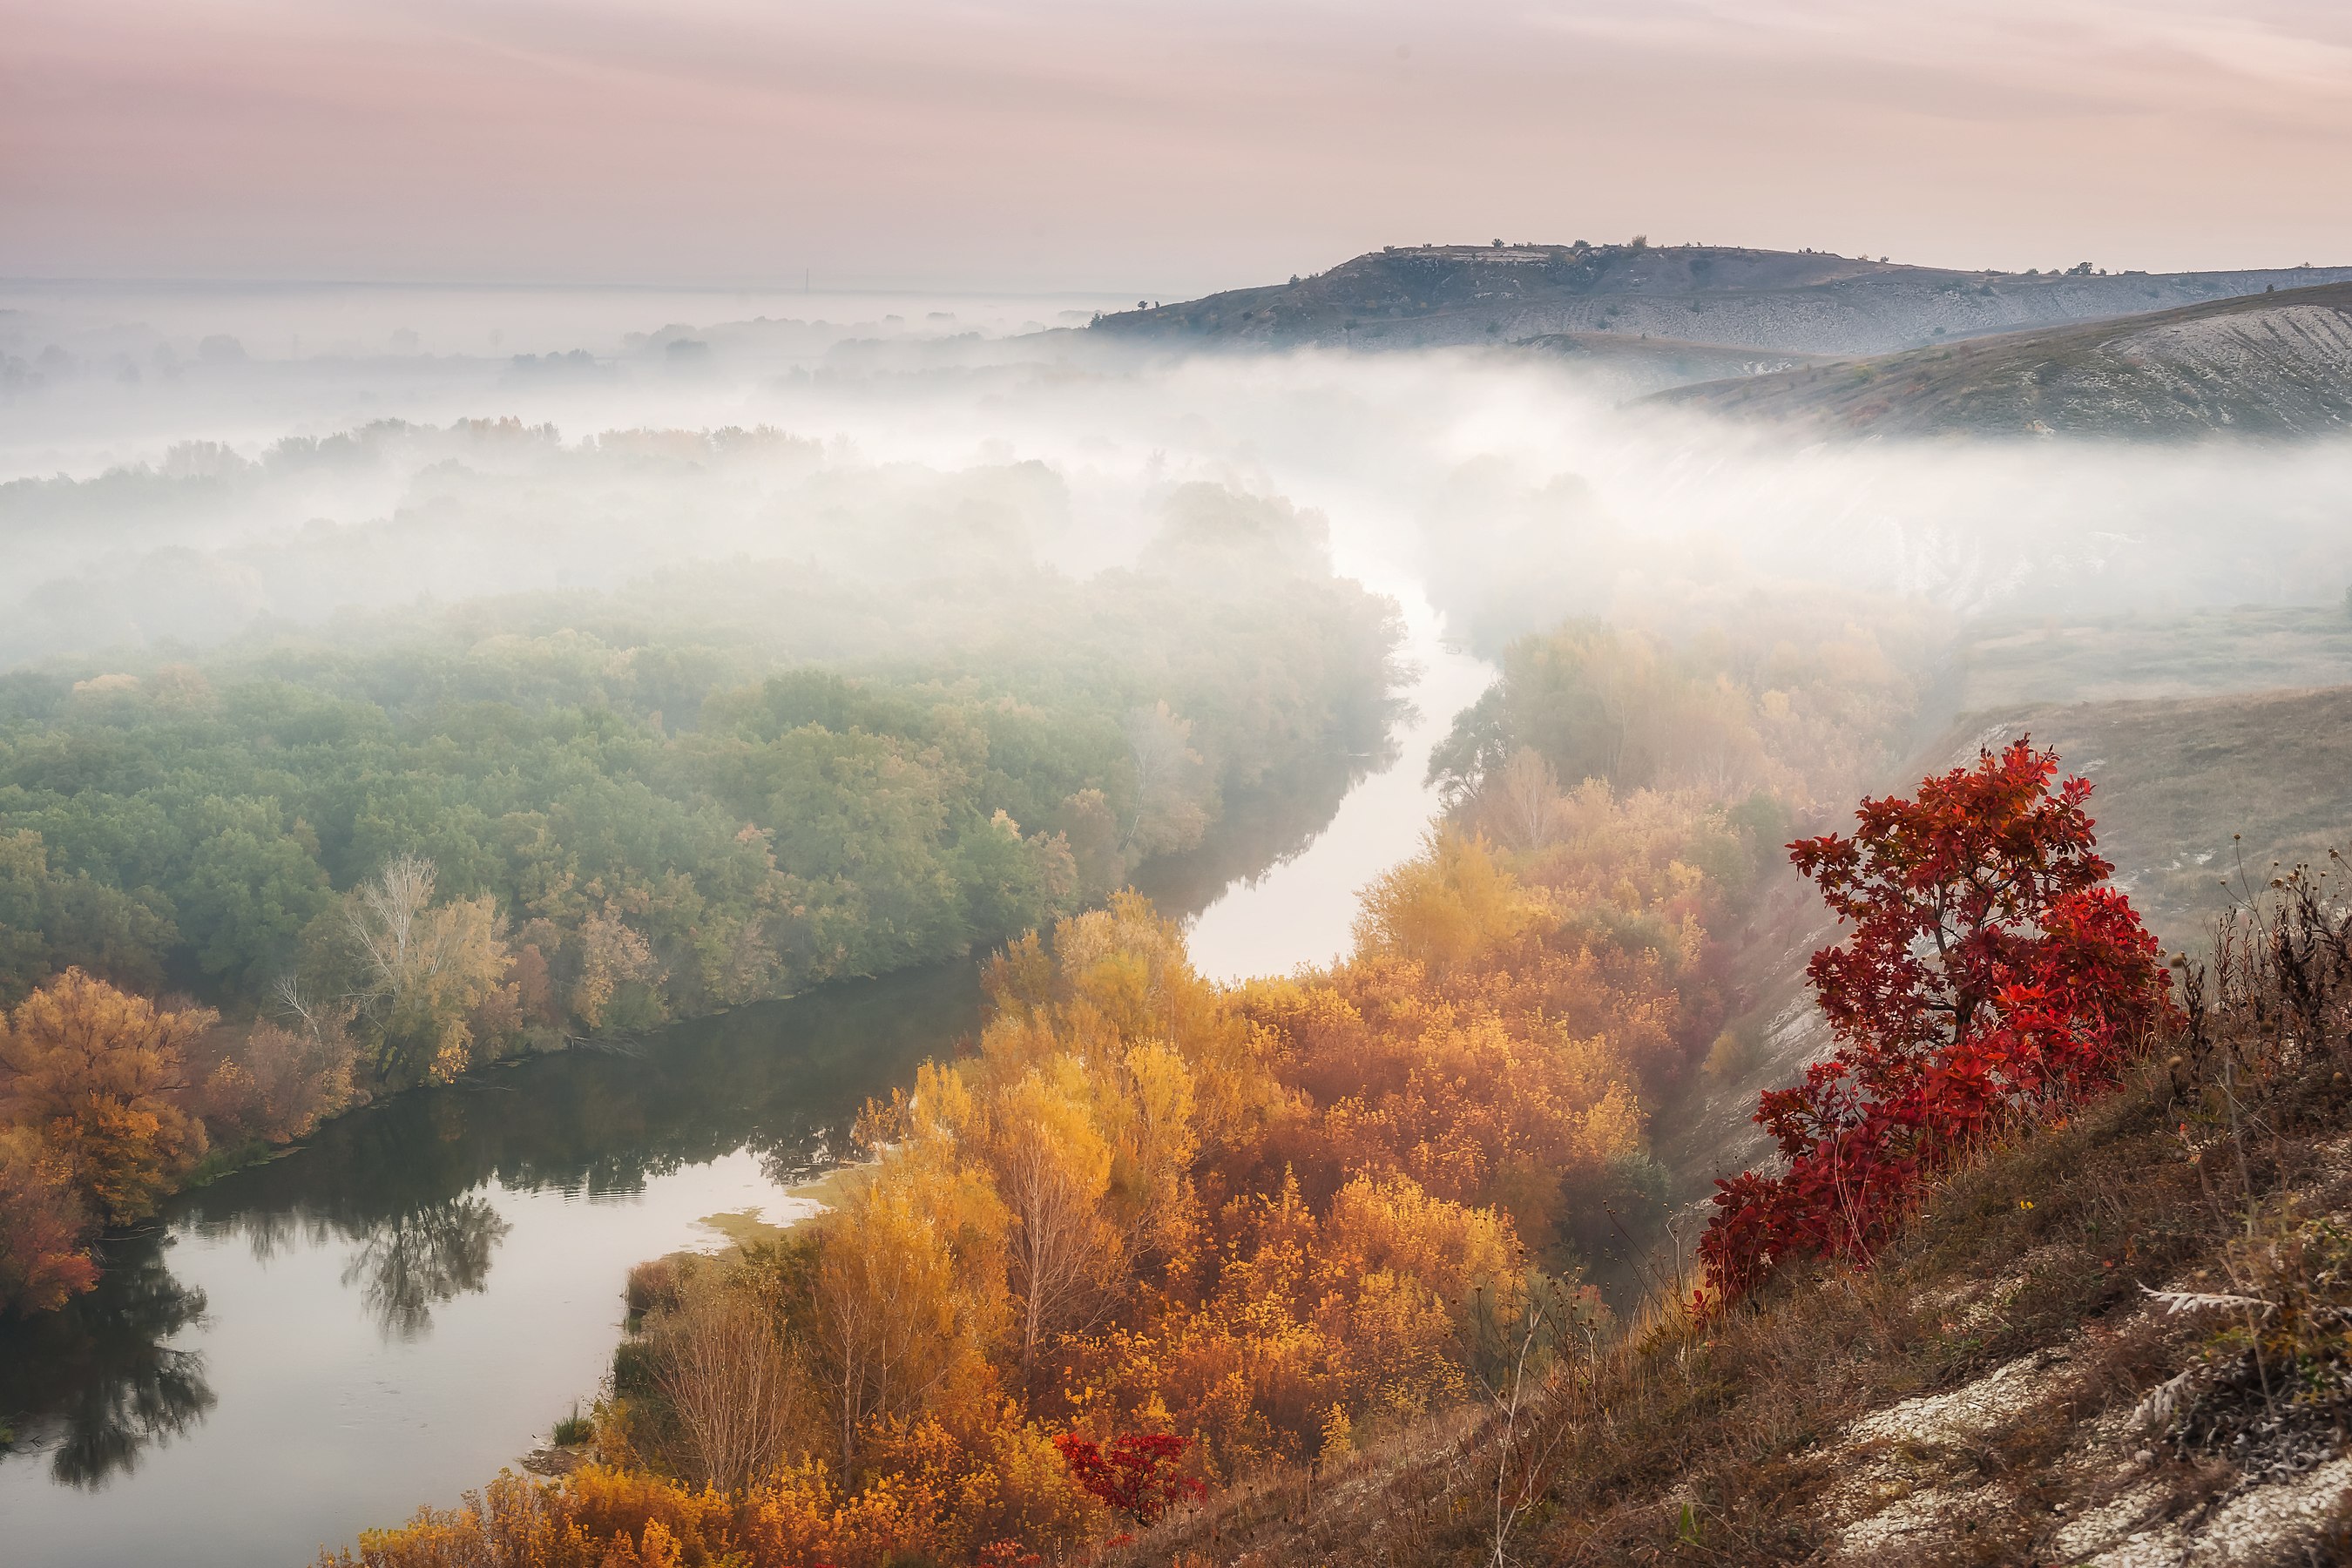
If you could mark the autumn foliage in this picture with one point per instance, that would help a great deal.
(93, 1131)
(43, 1228)
(1148, 1233)
(1990, 974)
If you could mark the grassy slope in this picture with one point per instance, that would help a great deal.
(2276, 365)
(2211, 737)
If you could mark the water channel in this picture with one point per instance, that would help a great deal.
(390, 1314)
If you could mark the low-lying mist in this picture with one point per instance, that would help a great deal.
(171, 486)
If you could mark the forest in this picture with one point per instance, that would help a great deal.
(380, 859)
(1142, 1243)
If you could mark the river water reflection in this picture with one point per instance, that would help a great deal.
(392, 1312)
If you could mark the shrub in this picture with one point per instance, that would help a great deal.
(1990, 973)
(1134, 1472)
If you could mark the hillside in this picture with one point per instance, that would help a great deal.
(1632, 366)
(1783, 302)
(2116, 1341)
(2271, 363)
(2118, 1338)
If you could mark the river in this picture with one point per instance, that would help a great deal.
(387, 1315)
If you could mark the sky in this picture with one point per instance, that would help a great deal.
(1147, 145)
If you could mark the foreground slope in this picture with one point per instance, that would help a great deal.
(2122, 1337)
(2271, 364)
(2119, 1340)
(1730, 296)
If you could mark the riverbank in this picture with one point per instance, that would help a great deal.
(401, 1303)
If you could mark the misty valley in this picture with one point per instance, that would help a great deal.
(1516, 902)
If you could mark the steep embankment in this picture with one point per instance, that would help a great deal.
(2119, 1341)
(2272, 364)
(1780, 302)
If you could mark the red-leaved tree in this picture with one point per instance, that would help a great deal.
(1989, 975)
(1134, 1473)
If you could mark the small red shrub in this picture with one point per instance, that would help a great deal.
(1135, 1473)
(1989, 975)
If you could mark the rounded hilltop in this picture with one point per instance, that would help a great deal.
(1734, 297)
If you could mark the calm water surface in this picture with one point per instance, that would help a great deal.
(1301, 909)
(390, 1314)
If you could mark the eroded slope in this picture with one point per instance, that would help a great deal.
(2267, 364)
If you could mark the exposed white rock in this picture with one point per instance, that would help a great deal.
(1962, 1414)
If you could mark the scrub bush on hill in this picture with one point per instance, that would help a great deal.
(1990, 975)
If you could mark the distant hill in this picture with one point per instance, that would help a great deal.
(2269, 364)
(1800, 302)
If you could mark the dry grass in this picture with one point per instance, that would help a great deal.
(2212, 736)
(2033, 661)
(2199, 799)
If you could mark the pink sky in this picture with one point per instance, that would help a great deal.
(1150, 146)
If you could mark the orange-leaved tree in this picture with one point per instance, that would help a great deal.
(94, 1071)
(1991, 973)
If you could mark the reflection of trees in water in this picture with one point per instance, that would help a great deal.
(784, 1079)
(93, 1384)
(268, 1234)
(805, 1159)
(409, 1265)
